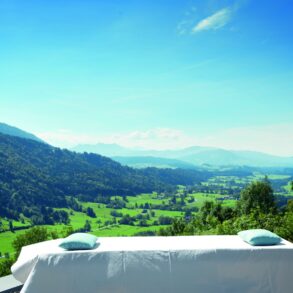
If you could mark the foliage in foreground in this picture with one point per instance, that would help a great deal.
(256, 210)
(31, 236)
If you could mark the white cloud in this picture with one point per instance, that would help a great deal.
(273, 139)
(214, 21)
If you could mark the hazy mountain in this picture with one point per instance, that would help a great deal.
(107, 150)
(265, 159)
(14, 131)
(192, 155)
(147, 161)
(115, 150)
(220, 157)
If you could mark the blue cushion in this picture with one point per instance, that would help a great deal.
(78, 241)
(259, 237)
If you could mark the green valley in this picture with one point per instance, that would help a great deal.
(66, 192)
(147, 213)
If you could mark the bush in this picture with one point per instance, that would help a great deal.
(33, 235)
(5, 266)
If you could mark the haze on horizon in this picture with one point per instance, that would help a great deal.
(150, 74)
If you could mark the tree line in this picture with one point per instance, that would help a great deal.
(256, 209)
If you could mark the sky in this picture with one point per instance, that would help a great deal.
(152, 74)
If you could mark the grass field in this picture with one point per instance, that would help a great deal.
(77, 219)
(104, 225)
(6, 239)
(142, 199)
(200, 198)
(16, 224)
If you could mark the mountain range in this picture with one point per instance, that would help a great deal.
(186, 157)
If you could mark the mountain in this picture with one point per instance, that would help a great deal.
(148, 161)
(14, 131)
(103, 149)
(220, 157)
(115, 150)
(194, 155)
(34, 175)
(263, 159)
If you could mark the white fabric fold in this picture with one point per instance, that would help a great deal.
(157, 264)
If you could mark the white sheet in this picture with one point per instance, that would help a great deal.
(157, 264)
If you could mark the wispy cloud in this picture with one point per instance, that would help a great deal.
(214, 21)
(193, 21)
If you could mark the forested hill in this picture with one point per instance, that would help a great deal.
(34, 174)
(14, 131)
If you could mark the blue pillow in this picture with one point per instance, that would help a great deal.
(78, 241)
(257, 237)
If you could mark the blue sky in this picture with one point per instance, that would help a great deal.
(154, 74)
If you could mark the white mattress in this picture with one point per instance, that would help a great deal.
(157, 264)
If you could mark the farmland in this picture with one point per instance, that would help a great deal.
(144, 214)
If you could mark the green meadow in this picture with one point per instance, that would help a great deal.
(99, 224)
(149, 207)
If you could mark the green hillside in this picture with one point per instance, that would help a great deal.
(14, 131)
(34, 175)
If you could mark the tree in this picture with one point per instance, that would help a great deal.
(165, 220)
(11, 228)
(115, 214)
(173, 200)
(64, 217)
(61, 217)
(31, 236)
(126, 220)
(90, 212)
(5, 266)
(143, 223)
(257, 195)
(206, 210)
(289, 207)
(177, 227)
(87, 226)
